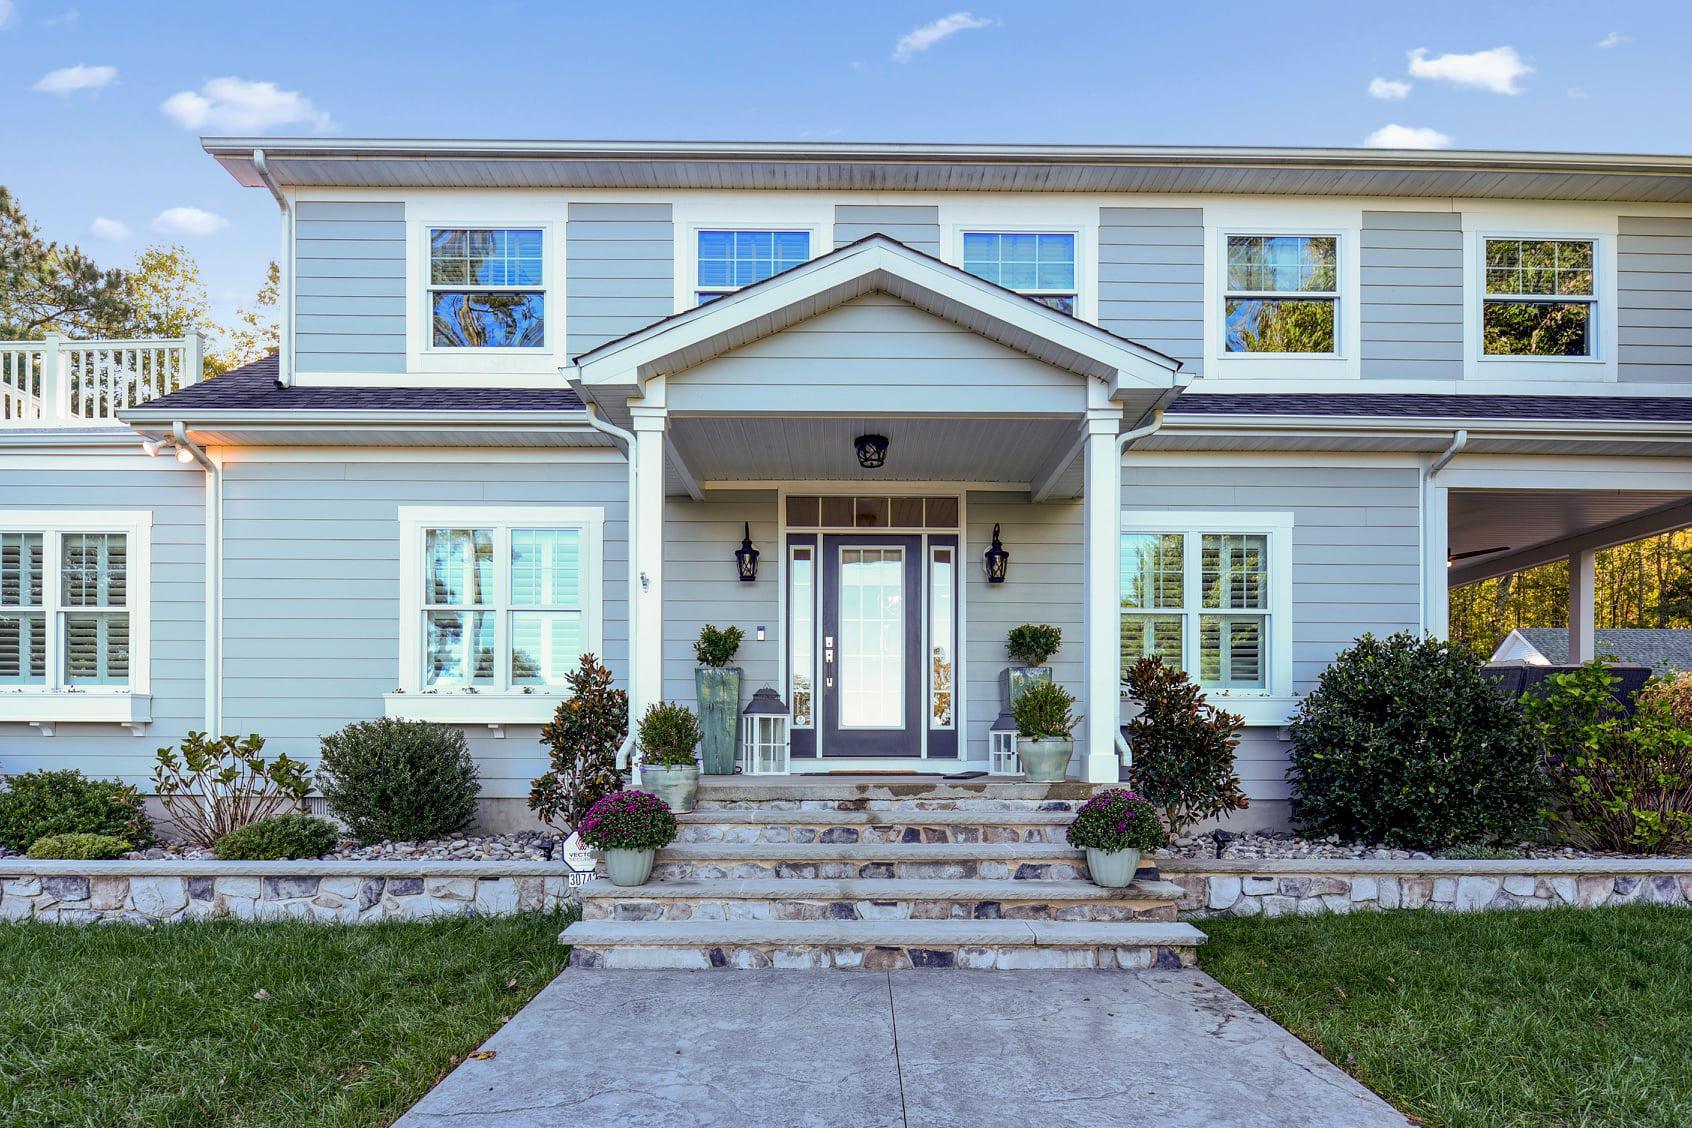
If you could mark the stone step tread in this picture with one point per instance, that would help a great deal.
(740, 789)
(880, 933)
(901, 817)
(885, 889)
(869, 852)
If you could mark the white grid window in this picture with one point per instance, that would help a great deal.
(486, 288)
(1281, 294)
(728, 260)
(67, 612)
(1539, 298)
(1040, 265)
(1200, 601)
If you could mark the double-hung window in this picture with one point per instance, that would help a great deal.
(487, 288)
(1539, 298)
(1040, 265)
(70, 597)
(504, 601)
(1281, 294)
(1204, 600)
(728, 260)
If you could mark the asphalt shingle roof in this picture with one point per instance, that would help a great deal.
(1662, 649)
(1642, 409)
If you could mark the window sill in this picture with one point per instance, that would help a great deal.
(47, 709)
(496, 710)
(1258, 710)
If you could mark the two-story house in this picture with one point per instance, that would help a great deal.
(1231, 407)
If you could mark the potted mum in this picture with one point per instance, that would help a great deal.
(628, 827)
(1115, 827)
(1043, 727)
(716, 685)
(1030, 645)
(668, 734)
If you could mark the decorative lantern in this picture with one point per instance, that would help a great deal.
(763, 734)
(997, 560)
(872, 451)
(746, 558)
(1001, 747)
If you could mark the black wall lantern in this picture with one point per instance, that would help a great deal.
(872, 451)
(746, 558)
(996, 560)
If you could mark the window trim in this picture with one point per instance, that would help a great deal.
(502, 704)
(690, 289)
(429, 288)
(1602, 300)
(961, 230)
(1340, 294)
(1271, 704)
(480, 366)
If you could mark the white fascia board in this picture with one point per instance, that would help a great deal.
(1478, 427)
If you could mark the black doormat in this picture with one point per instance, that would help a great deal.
(965, 775)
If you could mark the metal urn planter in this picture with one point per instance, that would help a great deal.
(718, 691)
(677, 785)
(629, 867)
(1014, 679)
(1113, 869)
(1045, 760)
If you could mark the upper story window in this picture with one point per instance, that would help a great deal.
(1539, 298)
(486, 288)
(1282, 294)
(1040, 265)
(729, 260)
(65, 608)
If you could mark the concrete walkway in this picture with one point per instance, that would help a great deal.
(902, 1049)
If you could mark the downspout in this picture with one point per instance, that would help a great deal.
(1458, 442)
(625, 440)
(214, 578)
(285, 279)
(1127, 439)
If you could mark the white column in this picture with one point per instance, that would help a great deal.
(646, 602)
(1436, 564)
(55, 380)
(1102, 599)
(1583, 606)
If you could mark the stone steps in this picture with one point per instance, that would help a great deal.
(879, 899)
(882, 945)
(834, 827)
(947, 861)
(887, 793)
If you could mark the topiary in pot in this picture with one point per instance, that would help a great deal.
(1183, 747)
(716, 687)
(1115, 827)
(277, 838)
(1405, 741)
(44, 803)
(1029, 645)
(668, 735)
(1044, 725)
(630, 827)
(392, 779)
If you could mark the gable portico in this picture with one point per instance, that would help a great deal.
(759, 396)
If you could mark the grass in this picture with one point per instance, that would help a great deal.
(1548, 1018)
(252, 1025)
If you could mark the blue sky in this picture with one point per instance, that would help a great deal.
(103, 103)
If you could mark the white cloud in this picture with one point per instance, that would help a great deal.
(5, 12)
(1406, 137)
(63, 19)
(928, 35)
(237, 106)
(103, 228)
(1615, 39)
(1496, 70)
(68, 80)
(188, 221)
(1577, 92)
(1388, 88)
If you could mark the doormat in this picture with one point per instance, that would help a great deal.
(965, 775)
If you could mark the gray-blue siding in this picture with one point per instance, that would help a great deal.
(1412, 295)
(1151, 279)
(915, 225)
(176, 497)
(350, 302)
(1654, 299)
(619, 265)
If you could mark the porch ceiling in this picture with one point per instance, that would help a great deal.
(1535, 526)
(717, 449)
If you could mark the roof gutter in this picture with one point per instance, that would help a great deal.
(214, 577)
(285, 271)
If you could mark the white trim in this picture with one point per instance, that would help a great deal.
(46, 710)
(1600, 365)
(500, 703)
(488, 367)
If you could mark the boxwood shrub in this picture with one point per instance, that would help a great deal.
(1405, 741)
(78, 848)
(276, 838)
(399, 780)
(46, 803)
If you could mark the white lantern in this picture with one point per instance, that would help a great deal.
(1001, 747)
(763, 734)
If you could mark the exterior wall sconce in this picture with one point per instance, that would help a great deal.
(746, 558)
(763, 734)
(996, 561)
(872, 451)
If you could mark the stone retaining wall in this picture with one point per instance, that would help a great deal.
(1266, 887)
(331, 892)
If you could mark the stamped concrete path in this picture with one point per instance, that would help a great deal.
(901, 1049)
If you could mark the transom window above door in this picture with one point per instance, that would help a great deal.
(872, 512)
(1040, 265)
(1539, 298)
(487, 288)
(728, 260)
(1281, 294)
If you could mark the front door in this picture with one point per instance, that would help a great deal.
(871, 625)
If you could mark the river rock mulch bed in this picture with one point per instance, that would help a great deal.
(1282, 846)
(528, 846)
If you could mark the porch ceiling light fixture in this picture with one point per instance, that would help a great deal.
(996, 560)
(872, 451)
(746, 558)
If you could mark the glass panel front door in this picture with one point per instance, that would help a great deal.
(871, 627)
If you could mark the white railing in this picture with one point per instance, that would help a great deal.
(61, 383)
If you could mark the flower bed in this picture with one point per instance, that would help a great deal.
(1285, 845)
(529, 846)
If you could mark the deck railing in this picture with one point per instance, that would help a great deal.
(61, 383)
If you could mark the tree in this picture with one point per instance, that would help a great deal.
(166, 294)
(256, 333)
(45, 287)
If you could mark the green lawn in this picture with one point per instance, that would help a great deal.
(226, 1023)
(1559, 1017)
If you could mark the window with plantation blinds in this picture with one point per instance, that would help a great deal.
(1199, 601)
(64, 609)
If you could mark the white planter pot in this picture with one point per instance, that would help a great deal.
(1045, 760)
(629, 867)
(1112, 869)
(676, 784)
